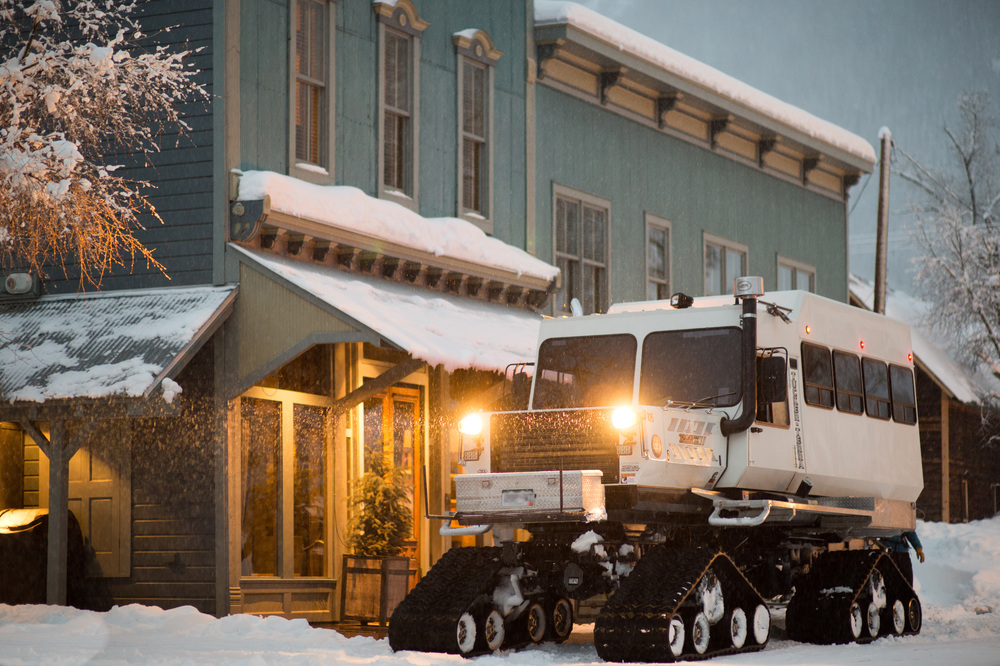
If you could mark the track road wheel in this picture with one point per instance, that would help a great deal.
(700, 632)
(465, 633)
(898, 617)
(855, 621)
(536, 623)
(914, 616)
(493, 630)
(738, 628)
(873, 621)
(562, 620)
(676, 636)
(761, 624)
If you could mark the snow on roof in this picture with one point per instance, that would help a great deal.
(351, 209)
(118, 343)
(967, 386)
(432, 326)
(648, 49)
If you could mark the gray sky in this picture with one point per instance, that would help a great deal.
(862, 64)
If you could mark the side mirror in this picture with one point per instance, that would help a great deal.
(773, 379)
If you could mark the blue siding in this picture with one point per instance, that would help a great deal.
(642, 170)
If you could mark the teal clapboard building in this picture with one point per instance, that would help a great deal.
(362, 229)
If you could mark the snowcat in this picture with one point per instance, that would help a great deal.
(690, 463)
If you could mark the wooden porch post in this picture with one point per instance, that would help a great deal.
(945, 462)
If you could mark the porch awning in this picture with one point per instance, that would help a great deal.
(435, 327)
(112, 344)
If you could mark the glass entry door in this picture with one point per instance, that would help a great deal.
(394, 431)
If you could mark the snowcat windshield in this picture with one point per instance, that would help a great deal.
(699, 367)
(592, 371)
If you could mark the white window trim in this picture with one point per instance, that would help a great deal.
(400, 16)
(712, 239)
(474, 47)
(322, 174)
(595, 202)
(794, 265)
(664, 224)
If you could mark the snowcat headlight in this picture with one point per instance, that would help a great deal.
(623, 417)
(471, 425)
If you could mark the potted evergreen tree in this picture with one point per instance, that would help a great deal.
(375, 576)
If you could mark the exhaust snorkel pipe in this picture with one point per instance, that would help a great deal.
(747, 289)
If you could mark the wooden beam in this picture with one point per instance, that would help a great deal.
(38, 436)
(945, 462)
(375, 386)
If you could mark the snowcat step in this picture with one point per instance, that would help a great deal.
(447, 609)
(852, 597)
(681, 604)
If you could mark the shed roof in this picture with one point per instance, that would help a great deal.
(112, 344)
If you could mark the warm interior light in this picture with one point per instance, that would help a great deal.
(809, 330)
(623, 417)
(471, 425)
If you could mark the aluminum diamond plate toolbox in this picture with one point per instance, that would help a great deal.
(580, 490)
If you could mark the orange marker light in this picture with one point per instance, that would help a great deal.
(808, 330)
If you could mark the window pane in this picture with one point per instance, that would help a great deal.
(397, 71)
(309, 490)
(876, 377)
(317, 42)
(656, 253)
(590, 371)
(567, 223)
(594, 234)
(471, 175)
(785, 280)
(260, 440)
(734, 269)
(847, 373)
(404, 428)
(713, 269)
(694, 366)
(904, 402)
(817, 375)
(803, 280)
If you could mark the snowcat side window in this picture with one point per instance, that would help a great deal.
(697, 366)
(591, 371)
(904, 401)
(876, 377)
(817, 375)
(847, 376)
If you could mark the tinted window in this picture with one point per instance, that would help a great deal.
(847, 373)
(592, 371)
(691, 366)
(904, 401)
(876, 377)
(817, 375)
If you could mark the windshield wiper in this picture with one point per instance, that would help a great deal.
(702, 403)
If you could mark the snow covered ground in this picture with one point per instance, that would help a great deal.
(959, 585)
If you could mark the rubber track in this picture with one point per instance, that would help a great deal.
(820, 609)
(634, 624)
(427, 618)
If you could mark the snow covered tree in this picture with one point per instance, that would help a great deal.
(78, 92)
(958, 228)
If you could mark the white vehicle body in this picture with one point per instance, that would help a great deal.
(795, 460)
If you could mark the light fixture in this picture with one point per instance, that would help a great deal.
(623, 417)
(808, 329)
(471, 425)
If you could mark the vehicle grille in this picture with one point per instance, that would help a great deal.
(567, 440)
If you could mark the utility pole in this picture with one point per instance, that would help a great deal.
(882, 232)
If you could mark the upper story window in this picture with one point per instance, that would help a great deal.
(399, 94)
(311, 96)
(795, 275)
(476, 58)
(725, 261)
(657, 258)
(581, 244)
